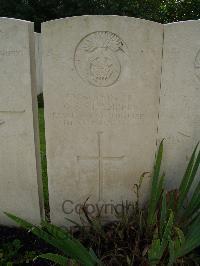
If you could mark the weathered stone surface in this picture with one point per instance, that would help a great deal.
(179, 121)
(38, 62)
(101, 92)
(20, 187)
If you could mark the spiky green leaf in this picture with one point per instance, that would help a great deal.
(194, 203)
(188, 178)
(163, 215)
(172, 257)
(155, 186)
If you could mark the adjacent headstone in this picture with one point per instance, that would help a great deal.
(101, 93)
(20, 189)
(38, 61)
(179, 119)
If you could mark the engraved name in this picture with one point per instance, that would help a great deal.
(98, 110)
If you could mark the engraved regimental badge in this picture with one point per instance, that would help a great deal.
(197, 65)
(97, 60)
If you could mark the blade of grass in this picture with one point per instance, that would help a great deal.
(192, 239)
(188, 177)
(155, 186)
(172, 257)
(194, 203)
(163, 215)
(66, 238)
(167, 231)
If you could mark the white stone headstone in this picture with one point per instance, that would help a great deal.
(20, 189)
(101, 93)
(38, 61)
(179, 119)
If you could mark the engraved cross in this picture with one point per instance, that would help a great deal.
(100, 158)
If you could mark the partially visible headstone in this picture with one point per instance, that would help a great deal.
(101, 93)
(38, 61)
(179, 121)
(21, 188)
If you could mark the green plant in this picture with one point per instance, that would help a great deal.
(173, 215)
(13, 252)
(9, 251)
(165, 232)
(61, 240)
